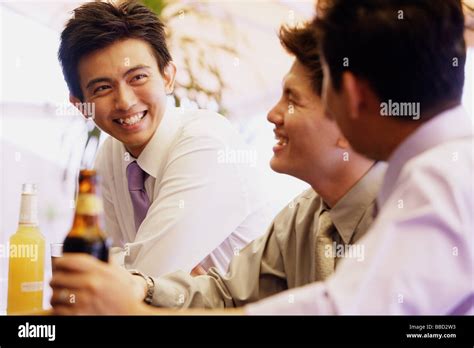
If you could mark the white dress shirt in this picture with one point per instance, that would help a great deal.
(419, 251)
(205, 203)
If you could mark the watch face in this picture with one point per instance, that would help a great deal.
(150, 285)
(150, 289)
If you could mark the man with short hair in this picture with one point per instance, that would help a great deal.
(169, 202)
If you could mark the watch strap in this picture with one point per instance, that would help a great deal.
(150, 285)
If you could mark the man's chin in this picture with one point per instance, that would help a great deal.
(278, 166)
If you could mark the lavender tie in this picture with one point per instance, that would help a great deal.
(136, 186)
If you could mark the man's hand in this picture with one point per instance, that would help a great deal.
(84, 285)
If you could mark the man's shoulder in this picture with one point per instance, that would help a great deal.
(301, 206)
(440, 179)
(205, 123)
(446, 163)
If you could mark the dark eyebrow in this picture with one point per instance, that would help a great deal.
(106, 79)
(293, 92)
(137, 67)
(97, 80)
(288, 89)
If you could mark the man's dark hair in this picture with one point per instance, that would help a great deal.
(302, 43)
(96, 25)
(407, 50)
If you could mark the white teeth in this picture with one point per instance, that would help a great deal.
(282, 141)
(133, 119)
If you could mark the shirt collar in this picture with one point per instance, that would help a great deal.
(450, 124)
(350, 209)
(156, 151)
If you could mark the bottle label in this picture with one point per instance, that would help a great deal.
(31, 286)
(88, 204)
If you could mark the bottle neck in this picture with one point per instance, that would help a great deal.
(29, 209)
(88, 204)
(88, 221)
(87, 217)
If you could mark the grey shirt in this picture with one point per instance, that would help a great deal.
(283, 258)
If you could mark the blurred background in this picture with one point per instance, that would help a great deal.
(229, 60)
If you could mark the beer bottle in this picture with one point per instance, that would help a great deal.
(26, 258)
(86, 235)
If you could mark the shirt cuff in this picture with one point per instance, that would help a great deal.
(117, 256)
(170, 293)
(310, 299)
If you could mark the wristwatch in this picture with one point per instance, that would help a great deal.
(150, 284)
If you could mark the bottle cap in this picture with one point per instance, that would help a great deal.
(29, 188)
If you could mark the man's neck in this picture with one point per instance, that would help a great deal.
(398, 131)
(335, 185)
(135, 151)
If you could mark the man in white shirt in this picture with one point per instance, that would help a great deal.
(419, 251)
(172, 198)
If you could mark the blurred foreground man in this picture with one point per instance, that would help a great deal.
(394, 74)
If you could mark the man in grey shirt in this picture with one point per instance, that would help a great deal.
(305, 241)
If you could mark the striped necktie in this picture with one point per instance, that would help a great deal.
(325, 261)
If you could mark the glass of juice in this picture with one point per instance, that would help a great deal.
(56, 251)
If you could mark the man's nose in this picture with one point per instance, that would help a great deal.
(275, 115)
(125, 98)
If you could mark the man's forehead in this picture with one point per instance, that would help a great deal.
(117, 57)
(297, 73)
(289, 80)
(294, 82)
(115, 61)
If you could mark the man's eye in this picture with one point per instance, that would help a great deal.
(101, 88)
(139, 77)
(291, 107)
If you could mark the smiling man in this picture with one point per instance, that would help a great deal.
(419, 250)
(169, 202)
(302, 244)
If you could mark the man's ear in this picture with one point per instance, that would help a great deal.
(352, 94)
(359, 96)
(74, 101)
(342, 143)
(169, 76)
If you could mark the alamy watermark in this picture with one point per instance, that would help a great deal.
(29, 251)
(352, 251)
(240, 156)
(392, 108)
(81, 109)
(28, 330)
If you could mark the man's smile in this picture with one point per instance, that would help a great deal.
(282, 141)
(132, 119)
